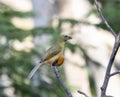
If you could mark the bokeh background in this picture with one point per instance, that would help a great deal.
(29, 27)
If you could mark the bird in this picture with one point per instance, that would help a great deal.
(53, 54)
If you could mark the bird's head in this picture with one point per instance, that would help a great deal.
(64, 38)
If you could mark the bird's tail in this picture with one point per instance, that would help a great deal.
(34, 70)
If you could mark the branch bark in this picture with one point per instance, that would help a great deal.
(112, 57)
(114, 73)
(104, 20)
(83, 93)
(60, 80)
(107, 75)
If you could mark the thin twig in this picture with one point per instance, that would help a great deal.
(115, 73)
(83, 93)
(60, 80)
(104, 20)
(107, 75)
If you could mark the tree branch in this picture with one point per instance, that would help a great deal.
(83, 93)
(115, 73)
(60, 80)
(104, 20)
(107, 75)
(112, 57)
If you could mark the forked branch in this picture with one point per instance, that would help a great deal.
(109, 66)
(113, 54)
(110, 63)
(62, 83)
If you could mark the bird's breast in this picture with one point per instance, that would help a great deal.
(59, 61)
(50, 61)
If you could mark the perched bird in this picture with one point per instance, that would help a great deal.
(54, 53)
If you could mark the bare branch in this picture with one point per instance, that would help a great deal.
(104, 20)
(83, 93)
(114, 51)
(60, 80)
(107, 75)
(115, 73)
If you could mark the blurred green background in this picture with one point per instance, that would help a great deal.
(17, 59)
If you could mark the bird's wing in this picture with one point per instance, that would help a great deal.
(51, 52)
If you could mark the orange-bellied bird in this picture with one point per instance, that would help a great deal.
(54, 53)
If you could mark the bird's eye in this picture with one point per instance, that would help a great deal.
(66, 36)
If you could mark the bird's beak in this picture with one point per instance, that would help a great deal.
(69, 37)
(66, 37)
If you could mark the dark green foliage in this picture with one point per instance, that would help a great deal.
(110, 10)
(92, 84)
